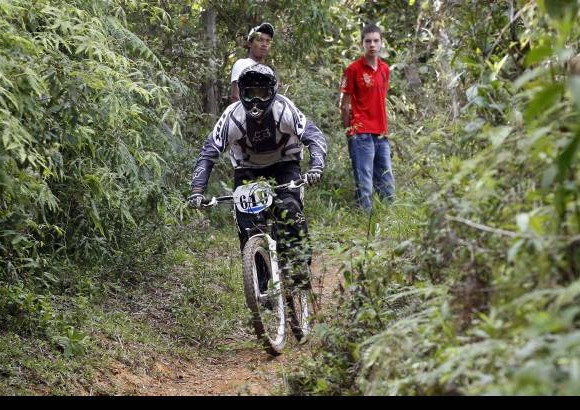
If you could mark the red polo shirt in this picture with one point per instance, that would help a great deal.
(368, 89)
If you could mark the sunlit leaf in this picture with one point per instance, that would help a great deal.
(523, 221)
(497, 135)
(564, 161)
(538, 54)
(543, 100)
(549, 176)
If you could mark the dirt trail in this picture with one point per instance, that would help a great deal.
(243, 371)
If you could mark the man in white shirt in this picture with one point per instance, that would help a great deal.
(259, 44)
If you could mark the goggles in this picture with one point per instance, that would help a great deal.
(261, 93)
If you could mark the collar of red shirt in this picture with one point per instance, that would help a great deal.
(363, 61)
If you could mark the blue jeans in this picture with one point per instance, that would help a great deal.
(371, 163)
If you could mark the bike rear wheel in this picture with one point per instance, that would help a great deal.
(264, 297)
(302, 306)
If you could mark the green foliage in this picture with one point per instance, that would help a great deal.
(72, 342)
(24, 311)
(467, 284)
(211, 305)
(495, 248)
(87, 134)
(33, 369)
(88, 139)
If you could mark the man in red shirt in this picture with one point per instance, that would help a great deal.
(364, 91)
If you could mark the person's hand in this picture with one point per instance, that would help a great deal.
(313, 176)
(195, 200)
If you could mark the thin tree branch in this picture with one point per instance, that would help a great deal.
(512, 21)
(511, 234)
(482, 227)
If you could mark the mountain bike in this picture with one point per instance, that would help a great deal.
(272, 296)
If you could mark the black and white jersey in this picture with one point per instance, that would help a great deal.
(280, 136)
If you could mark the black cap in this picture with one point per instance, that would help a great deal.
(266, 28)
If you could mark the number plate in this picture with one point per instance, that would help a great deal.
(253, 198)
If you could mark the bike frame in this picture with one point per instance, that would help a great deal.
(272, 243)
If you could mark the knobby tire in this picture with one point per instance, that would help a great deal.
(268, 322)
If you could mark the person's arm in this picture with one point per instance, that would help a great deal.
(387, 76)
(345, 109)
(234, 92)
(315, 140)
(205, 162)
(215, 144)
(346, 90)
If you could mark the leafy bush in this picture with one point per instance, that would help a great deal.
(492, 261)
(88, 135)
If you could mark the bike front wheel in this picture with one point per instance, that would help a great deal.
(264, 296)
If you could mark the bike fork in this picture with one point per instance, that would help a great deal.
(272, 244)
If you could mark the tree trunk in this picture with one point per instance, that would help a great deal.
(210, 87)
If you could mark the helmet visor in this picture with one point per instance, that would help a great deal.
(261, 93)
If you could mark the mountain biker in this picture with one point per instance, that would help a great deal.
(266, 134)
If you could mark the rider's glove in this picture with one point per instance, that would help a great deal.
(313, 176)
(195, 200)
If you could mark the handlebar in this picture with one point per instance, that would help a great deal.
(292, 184)
(213, 201)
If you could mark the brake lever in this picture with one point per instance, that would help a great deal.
(210, 203)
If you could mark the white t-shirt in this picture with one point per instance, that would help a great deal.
(239, 66)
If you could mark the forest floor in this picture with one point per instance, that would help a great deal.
(243, 370)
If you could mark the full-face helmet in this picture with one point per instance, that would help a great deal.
(258, 86)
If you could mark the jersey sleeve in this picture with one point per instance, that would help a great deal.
(215, 144)
(293, 121)
(315, 140)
